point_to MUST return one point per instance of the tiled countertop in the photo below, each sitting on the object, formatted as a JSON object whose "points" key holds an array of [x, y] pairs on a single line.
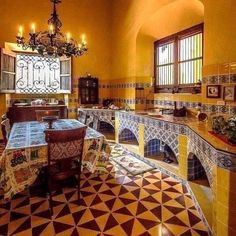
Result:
{"points": [[201, 128]]}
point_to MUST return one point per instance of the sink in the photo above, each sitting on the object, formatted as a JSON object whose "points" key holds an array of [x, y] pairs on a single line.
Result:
{"points": [[155, 115], [142, 113]]}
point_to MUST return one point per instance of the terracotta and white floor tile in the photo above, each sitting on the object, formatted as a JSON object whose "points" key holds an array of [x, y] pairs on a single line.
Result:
{"points": [[114, 203]]}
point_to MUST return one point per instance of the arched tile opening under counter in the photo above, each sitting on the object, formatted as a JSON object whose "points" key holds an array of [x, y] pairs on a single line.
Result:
{"points": [[128, 139], [161, 153]]}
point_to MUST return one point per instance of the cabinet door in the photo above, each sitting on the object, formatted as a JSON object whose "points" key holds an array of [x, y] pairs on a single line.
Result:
{"points": [[65, 75], [88, 87], [8, 71], [94, 92]]}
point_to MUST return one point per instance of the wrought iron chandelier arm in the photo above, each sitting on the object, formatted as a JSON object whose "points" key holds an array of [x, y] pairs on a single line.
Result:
{"points": [[52, 42]]}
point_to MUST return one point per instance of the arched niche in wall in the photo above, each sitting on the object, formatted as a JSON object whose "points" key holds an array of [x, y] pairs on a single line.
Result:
{"points": [[196, 170], [129, 21], [153, 149], [127, 136], [167, 20]]}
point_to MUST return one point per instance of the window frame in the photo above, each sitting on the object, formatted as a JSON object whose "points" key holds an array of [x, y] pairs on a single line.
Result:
{"points": [[13, 54], [176, 87]]}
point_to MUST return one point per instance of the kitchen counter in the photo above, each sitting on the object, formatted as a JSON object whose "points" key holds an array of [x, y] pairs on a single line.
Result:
{"points": [[199, 127]]}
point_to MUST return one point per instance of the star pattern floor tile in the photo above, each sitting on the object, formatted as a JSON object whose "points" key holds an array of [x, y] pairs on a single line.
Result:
{"points": [[114, 203]]}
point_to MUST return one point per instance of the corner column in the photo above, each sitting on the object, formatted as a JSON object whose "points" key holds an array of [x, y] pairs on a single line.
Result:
{"points": [[141, 139], [224, 200], [183, 163]]}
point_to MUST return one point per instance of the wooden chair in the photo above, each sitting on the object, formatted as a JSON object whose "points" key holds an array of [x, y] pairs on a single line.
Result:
{"points": [[82, 116], [41, 113], [6, 129], [65, 150]]}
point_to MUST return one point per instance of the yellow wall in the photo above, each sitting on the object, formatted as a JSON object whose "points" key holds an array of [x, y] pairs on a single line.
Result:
{"points": [[220, 31], [137, 24], [120, 35]]}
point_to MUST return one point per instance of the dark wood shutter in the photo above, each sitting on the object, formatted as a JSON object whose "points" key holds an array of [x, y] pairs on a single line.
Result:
{"points": [[8, 71], [65, 75]]}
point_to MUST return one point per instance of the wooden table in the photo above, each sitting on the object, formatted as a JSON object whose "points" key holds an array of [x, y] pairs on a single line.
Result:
{"points": [[26, 153]]}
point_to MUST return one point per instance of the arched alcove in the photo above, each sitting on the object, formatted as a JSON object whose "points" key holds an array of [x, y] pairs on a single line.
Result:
{"points": [[161, 152], [166, 20], [107, 129], [134, 18], [127, 136], [152, 148], [196, 171], [199, 184]]}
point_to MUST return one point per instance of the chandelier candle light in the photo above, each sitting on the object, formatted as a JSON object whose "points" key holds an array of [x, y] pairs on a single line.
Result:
{"points": [[52, 42]]}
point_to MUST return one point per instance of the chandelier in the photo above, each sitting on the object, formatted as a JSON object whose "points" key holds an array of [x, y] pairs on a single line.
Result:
{"points": [[52, 42]]}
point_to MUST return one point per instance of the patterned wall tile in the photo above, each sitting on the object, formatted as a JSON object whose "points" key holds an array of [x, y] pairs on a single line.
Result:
{"points": [[226, 160], [104, 115], [219, 79]]}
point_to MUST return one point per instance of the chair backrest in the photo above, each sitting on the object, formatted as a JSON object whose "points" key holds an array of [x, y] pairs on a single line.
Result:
{"points": [[41, 113], [65, 145], [82, 116], [6, 129]]}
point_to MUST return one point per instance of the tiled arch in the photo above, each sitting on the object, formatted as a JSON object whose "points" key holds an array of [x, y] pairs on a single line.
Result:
{"points": [[129, 125], [107, 116], [169, 138], [195, 168], [152, 147], [107, 120], [205, 161], [126, 134]]}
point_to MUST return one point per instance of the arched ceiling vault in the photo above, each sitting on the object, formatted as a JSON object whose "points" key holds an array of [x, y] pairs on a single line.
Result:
{"points": [[174, 17], [131, 17]]}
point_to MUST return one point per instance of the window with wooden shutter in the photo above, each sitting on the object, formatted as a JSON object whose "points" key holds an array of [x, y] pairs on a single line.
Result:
{"points": [[178, 60], [165, 67], [190, 58], [33, 74], [8, 71], [65, 75]]}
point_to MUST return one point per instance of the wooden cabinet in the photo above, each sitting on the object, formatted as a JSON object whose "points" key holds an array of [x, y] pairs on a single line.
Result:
{"points": [[88, 87]]}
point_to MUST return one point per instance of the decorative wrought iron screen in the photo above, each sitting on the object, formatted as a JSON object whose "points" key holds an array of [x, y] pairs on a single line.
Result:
{"points": [[36, 74]]}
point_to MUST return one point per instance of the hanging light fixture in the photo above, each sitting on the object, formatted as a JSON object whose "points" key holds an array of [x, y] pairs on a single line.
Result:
{"points": [[52, 42]]}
